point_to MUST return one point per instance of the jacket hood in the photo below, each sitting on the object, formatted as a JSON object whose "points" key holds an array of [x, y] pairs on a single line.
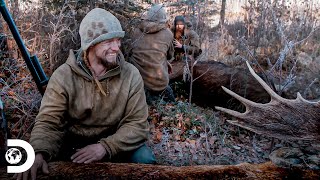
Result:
{"points": [[149, 27], [156, 13], [179, 18], [77, 65]]}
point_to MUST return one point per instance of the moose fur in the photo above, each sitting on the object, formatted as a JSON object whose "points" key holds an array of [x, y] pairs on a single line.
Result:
{"points": [[211, 76]]}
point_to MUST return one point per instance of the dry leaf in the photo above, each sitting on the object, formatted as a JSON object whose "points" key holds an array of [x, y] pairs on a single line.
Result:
{"points": [[212, 140], [177, 147], [177, 137], [236, 147], [179, 124], [11, 93], [158, 137], [203, 135]]}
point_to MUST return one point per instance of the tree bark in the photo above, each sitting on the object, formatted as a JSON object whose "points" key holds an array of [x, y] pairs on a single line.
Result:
{"points": [[222, 12], [68, 170]]}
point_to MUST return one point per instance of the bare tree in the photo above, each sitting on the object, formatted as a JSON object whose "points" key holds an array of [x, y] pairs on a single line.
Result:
{"points": [[222, 12]]}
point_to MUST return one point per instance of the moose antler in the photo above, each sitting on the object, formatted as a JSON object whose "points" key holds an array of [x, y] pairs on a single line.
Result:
{"points": [[290, 119]]}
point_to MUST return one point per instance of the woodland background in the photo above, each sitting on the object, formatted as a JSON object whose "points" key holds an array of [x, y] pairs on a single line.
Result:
{"points": [[278, 37]]}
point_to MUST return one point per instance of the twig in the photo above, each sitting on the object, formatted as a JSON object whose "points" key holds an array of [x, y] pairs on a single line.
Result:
{"points": [[201, 74], [308, 87]]}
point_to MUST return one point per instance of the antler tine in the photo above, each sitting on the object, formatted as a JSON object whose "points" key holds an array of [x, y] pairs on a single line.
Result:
{"points": [[263, 84], [231, 112], [299, 97], [243, 100]]}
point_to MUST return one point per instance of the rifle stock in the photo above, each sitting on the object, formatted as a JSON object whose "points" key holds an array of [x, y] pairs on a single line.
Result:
{"points": [[32, 62]]}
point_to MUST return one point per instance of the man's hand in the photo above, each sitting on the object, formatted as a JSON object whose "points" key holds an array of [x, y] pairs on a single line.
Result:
{"points": [[88, 154], [39, 163], [177, 44]]}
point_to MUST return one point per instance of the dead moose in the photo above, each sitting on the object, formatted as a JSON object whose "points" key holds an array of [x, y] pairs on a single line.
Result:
{"points": [[265, 111], [211, 75]]}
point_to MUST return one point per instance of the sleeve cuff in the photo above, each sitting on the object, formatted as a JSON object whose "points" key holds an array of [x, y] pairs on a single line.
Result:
{"points": [[109, 154], [45, 154]]}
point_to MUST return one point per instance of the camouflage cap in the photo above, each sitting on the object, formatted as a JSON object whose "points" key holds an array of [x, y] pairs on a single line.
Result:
{"points": [[97, 26]]}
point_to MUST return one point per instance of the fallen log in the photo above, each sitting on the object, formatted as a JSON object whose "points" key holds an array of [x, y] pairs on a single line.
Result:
{"points": [[68, 170], [211, 75]]}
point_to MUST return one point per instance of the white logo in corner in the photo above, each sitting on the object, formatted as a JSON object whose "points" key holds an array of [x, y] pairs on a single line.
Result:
{"points": [[14, 156]]}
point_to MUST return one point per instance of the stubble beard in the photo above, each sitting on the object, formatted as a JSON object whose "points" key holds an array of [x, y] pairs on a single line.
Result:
{"points": [[110, 63]]}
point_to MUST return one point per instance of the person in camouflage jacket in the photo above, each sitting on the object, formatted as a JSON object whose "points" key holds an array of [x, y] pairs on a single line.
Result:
{"points": [[153, 51], [94, 107], [186, 41]]}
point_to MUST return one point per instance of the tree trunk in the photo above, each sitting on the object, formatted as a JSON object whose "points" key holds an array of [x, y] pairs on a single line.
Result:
{"points": [[126, 3], [222, 12], [68, 170], [15, 10]]}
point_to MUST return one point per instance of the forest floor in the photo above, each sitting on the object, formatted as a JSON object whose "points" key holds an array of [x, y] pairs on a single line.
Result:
{"points": [[181, 136]]}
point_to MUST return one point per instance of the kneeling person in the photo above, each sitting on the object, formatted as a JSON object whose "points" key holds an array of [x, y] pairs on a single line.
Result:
{"points": [[152, 51], [94, 107]]}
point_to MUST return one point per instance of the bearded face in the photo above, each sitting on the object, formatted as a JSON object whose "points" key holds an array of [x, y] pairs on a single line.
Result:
{"points": [[180, 26], [106, 52]]}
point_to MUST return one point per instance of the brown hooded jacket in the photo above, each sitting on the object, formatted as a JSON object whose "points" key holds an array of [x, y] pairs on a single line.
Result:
{"points": [[152, 49], [190, 41], [73, 103]]}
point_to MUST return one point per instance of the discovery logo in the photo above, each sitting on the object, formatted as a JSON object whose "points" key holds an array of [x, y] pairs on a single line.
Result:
{"points": [[14, 156]]}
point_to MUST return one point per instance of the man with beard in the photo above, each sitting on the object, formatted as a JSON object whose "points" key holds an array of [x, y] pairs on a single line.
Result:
{"points": [[94, 107], [186, 41], [151, 52]]}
